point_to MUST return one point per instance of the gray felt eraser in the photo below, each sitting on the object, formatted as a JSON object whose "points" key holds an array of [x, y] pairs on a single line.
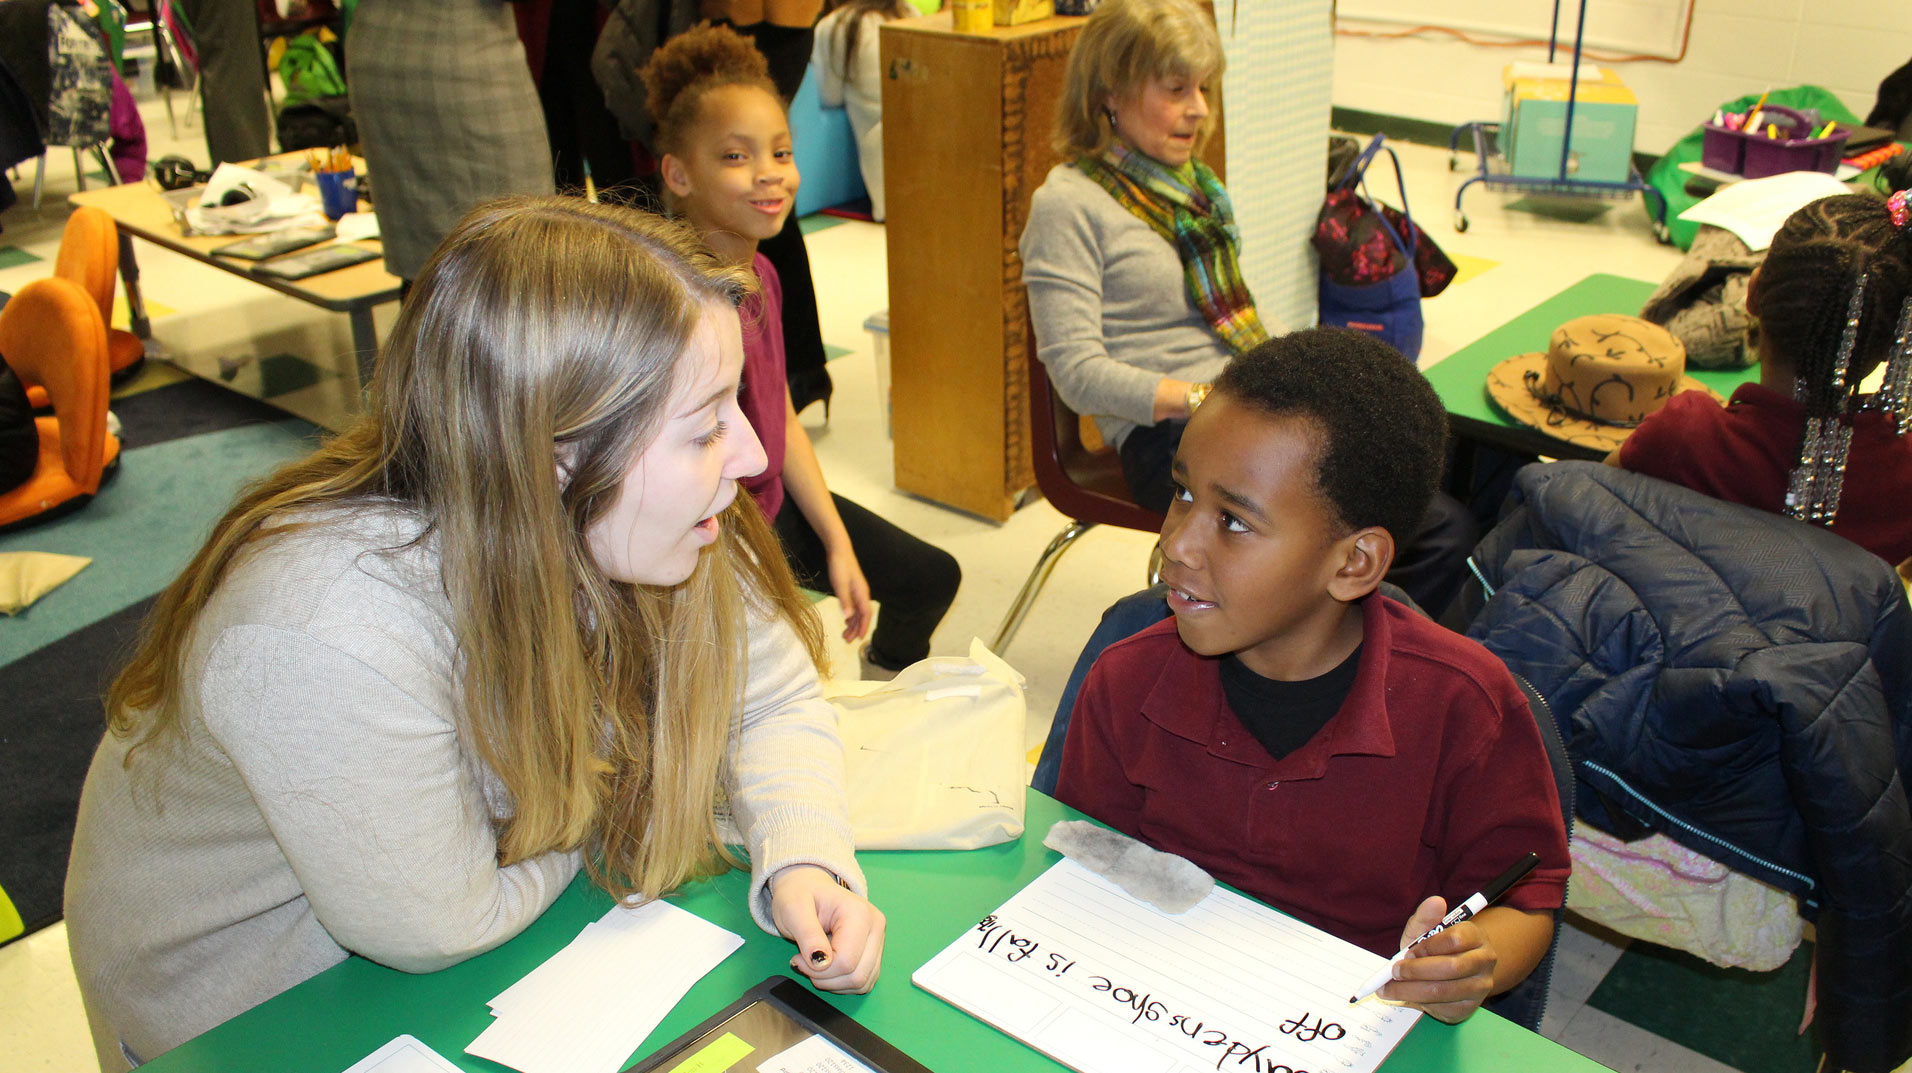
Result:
{"points": [[1170, 883]]}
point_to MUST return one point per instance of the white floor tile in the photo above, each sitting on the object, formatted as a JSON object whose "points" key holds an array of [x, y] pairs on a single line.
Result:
{"points": [[1628, 1049], [1584, 954], [42, 1025]]}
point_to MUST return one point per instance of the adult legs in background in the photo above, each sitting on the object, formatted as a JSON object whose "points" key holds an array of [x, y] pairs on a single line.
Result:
{"points": [[1148, 454], [447, 116], [787, 48], [869, 161], [1432, 562], [802, 333], [913, 580], [232, 78], [578, 123], [1125, 618]]}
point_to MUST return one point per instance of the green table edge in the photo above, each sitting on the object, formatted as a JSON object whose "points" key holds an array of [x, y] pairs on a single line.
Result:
{"points": [[336, 1018], [1461, 378]]}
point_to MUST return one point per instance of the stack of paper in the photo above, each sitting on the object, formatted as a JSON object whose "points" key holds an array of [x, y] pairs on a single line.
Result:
{"points": [[592, 1003]]}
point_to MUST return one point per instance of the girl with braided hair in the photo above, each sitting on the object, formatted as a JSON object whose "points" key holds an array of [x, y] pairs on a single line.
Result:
{"points": [[1833, 301]]}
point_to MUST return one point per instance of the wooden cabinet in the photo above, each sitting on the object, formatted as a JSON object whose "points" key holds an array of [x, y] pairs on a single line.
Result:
{"points": [[966, 128]]}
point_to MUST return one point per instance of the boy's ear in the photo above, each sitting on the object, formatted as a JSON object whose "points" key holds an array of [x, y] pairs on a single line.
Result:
{"points": [[1366, 556], [1752, 291], [676, 175]]}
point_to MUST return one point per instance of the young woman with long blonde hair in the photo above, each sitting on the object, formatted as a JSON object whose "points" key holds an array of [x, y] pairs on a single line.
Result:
{"points": [[514, 623]]}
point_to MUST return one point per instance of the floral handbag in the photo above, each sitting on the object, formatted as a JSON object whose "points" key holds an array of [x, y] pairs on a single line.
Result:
{"points": [[1366, 249]]}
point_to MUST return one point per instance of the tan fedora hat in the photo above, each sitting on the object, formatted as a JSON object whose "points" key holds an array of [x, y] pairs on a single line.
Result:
{"points": [[1599, 377]]}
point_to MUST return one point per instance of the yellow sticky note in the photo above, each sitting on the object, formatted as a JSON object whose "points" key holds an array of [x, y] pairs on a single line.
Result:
{"points": [[716, 1056], [10, 924]]}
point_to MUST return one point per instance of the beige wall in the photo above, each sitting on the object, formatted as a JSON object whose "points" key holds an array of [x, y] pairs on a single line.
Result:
{"points": [[1738, 47]]}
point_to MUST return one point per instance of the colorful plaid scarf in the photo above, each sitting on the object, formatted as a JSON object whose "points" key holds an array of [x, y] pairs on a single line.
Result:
{"points": [[1191, 211]]}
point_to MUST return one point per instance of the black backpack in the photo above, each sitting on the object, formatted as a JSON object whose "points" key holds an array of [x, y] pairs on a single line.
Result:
{"points": [[318, 123], [19, 440]]}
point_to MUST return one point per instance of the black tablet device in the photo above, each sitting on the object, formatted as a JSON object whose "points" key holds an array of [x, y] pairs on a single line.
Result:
{"points": [[313, 262], [273, 243], [779, 1026]]}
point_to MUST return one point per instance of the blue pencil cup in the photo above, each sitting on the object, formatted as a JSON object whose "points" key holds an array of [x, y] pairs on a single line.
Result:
{"points": [[338, 192]]}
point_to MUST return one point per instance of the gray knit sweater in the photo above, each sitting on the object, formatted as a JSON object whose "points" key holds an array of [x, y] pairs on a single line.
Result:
{"points": [[1111, 312], [322, 798]]}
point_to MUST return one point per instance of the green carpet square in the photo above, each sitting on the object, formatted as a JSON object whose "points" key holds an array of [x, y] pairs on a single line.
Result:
{"points": [[14, 257], [832, 352], [817, 221], [1744, 1019]]}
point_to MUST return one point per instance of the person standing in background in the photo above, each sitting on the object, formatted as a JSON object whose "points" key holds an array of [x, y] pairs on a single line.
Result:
{"points": [[447, 116], [232, 78], [781, 29], [850, 76]]}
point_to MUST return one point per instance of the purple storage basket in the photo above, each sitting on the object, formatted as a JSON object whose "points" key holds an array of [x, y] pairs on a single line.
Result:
{"points": [[1753, 155], [1775, 156], [1723, 149]]}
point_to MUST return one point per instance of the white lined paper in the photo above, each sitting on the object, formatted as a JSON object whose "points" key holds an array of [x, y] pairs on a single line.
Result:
{"points": [[1104, 983], [592, 1003]]}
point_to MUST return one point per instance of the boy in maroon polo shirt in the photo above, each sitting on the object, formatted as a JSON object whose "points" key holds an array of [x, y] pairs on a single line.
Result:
{"points": [[1297, 734]]}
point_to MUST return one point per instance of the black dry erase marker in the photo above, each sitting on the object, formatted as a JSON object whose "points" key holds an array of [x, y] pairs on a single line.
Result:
{"points": [[1487, 896]]}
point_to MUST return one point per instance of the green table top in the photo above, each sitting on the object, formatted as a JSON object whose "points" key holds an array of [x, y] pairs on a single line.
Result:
{"points": [[1461, 378], [347, 1012]]}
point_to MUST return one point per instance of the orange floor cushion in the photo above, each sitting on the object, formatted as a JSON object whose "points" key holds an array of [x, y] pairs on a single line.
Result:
{"points": [[49, 486], [123, 349]]}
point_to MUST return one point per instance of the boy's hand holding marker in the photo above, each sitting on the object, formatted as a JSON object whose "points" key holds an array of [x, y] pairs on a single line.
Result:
{"points": [[1446, 962]]}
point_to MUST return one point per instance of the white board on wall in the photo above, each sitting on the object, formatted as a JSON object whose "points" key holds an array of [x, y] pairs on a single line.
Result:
{"points": [[1649, 27]]}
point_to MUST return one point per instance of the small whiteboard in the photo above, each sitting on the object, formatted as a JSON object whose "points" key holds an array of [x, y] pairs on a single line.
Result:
{"points": [[1103, 983]]}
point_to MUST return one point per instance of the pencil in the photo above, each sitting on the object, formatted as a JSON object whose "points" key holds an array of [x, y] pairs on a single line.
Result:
{"points": [[590, 188]]}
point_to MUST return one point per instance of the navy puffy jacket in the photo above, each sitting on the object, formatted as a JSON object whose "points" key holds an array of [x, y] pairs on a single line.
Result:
{"points": [[1740, 682]]}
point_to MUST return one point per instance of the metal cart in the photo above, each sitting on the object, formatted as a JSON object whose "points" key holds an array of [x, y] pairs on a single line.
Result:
{"points": [[1496, 171]]}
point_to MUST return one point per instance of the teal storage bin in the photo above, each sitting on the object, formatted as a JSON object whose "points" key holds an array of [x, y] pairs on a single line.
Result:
{"points": [[1602, 140]]}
